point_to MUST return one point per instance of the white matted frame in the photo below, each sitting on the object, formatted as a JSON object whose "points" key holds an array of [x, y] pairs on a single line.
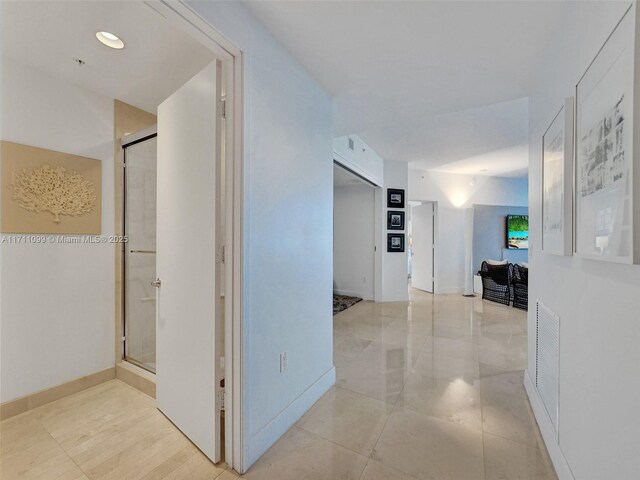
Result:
{"points": [[606, 223], [557, 183], [184, 18]]}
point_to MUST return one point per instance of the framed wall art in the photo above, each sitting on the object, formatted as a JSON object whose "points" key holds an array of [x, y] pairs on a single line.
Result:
{"points": [[557, 183], [395, 220], [44, 191], [395, 242], [605, 183], [395, 198]]}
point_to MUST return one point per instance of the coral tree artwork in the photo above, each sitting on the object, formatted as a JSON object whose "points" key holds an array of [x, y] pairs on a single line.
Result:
{"points": [[44, 191], [53, 190]]}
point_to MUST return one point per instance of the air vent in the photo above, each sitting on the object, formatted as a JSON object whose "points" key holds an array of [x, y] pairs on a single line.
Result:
{"points": [[351, 144], [547, 359]]}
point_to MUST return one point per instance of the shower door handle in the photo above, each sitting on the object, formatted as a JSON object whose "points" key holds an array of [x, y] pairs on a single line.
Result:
{"points": [[156, 283]]}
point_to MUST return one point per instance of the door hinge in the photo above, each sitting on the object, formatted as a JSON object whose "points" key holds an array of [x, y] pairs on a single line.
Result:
{"points": [[222, 107], [220, 255], [220, 401]]}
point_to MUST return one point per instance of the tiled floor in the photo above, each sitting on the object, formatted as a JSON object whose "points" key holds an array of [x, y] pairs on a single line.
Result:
{"points": [[430, 389], [109, 432]]}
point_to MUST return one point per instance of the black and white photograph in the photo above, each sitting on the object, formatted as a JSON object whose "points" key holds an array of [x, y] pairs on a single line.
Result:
{"points": [[395, 242], [604, 200], [395, 198], [557, 178], [395, 220], [603, 152]]}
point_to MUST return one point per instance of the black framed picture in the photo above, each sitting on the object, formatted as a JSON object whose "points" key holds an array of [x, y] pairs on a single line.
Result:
{"points": [[395, 220], [395, 198], [395, 242]]}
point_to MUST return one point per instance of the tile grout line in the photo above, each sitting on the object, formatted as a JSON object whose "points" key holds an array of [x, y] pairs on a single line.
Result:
{"points": [[404, 386], [66, 454], [131, 424], [484, 456]]}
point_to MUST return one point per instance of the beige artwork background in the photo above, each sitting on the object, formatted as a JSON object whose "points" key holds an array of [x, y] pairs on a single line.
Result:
{"points": [[14, 158]]}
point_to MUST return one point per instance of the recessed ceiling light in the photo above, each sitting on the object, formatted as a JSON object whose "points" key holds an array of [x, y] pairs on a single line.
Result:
{"points": [[110, 40]]}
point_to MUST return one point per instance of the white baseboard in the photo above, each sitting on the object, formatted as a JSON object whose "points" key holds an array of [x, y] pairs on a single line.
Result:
{"points": [[547, 430], [396, 297], [448, 290], [261, 441]]}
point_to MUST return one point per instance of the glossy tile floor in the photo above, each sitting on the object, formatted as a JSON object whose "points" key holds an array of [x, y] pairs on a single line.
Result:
{"points": [[430, 389], [109, 432]]}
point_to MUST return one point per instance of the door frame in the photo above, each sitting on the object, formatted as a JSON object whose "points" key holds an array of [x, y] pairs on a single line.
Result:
{"points": [[183, 17], [125, 142], [377, 215], [434, 263]]}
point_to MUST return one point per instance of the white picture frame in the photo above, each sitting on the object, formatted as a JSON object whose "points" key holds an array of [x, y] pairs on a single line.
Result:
{"points": [[557, 182], [606, 223]]}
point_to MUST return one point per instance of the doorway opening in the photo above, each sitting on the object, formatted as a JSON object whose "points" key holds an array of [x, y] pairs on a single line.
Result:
{"points": [[354, 238], [422, 245], [91, 100], [173, 266], [180, 273]]}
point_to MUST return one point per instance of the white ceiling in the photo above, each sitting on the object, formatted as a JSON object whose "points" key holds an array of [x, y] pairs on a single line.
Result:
{"points": [[431, 83], [344, 178], [156, 60]]}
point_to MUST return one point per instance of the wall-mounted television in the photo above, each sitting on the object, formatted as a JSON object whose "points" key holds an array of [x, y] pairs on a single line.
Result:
{"points": [[518, 232]]}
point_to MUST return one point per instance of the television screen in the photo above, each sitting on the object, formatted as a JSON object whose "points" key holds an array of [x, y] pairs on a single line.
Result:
{"points": [[518, 231]]}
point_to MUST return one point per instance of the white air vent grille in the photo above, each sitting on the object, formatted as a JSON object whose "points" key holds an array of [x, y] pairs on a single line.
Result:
{"points": [[547, 359]]}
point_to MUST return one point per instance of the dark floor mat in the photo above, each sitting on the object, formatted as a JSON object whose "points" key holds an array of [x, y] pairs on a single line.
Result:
{"points": [[342, 302]]}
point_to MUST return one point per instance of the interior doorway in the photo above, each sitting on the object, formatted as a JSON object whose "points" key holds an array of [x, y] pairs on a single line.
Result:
{"points": [[354, 239], [180, 277], [422, 244], [173, 261]]}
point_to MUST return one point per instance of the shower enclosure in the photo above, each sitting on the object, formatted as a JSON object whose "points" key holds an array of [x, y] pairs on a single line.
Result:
{"points": [[139, 252]]}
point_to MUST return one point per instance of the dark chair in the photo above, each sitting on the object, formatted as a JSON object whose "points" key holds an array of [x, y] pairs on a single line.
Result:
{"points": [[496, 282], [520, 282]]}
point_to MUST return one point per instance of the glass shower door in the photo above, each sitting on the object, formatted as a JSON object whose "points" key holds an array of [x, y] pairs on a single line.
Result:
{"points": [[140, 253]]}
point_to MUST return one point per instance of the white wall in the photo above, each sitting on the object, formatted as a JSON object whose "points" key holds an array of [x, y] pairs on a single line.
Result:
{"points": [[353, 241], [599, 424], [288, 217], [489, 235], [57, 300], [453, 193], [395, 265]]}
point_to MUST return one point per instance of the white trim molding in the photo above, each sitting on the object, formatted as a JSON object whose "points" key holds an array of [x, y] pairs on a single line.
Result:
{"points": [[184, 17], [547, 430], [261, 441]]}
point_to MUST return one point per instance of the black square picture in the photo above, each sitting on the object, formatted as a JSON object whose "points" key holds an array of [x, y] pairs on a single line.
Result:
{"points": [[395, 220], [395, 198], [395, 242]]}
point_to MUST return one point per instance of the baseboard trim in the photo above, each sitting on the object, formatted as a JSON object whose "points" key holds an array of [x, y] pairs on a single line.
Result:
{"points": [[265, 438], [396, 297], [29, 402], [137, 378], [547, 430], [449, 290]]}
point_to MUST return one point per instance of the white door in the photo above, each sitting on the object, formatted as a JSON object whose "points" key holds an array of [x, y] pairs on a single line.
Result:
{"points": [[422, 239], [188, 297]]}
